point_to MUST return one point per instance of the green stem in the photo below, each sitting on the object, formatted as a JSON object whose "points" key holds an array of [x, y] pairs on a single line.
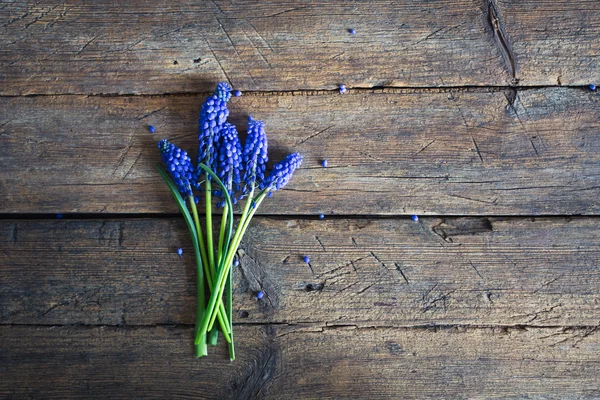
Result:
{"points": [[223, 321], [217, 295], [201, 349], [222, 234], [209, 232], [230, 314], [209, 317]]}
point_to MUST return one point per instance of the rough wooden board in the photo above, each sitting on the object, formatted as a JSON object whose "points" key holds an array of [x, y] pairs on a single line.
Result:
{"points": [[316, 362], [552, 42], [186, 46], [455, 152], [465, 271]]}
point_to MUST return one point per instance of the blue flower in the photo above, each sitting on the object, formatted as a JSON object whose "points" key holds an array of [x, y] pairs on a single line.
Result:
{"points": [[255, 154], [179, 165], [228, 163], [213, 116], [282, 172]]}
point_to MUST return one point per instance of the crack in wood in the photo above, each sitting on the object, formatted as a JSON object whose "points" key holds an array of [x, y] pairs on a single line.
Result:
{"points": [[399, 269], [496, 26]]}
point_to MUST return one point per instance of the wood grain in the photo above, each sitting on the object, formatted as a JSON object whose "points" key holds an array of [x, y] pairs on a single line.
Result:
{"points": [[410, 152], [187, 46], [132, 46], [456, 271], [280, 362], [553, 42]]}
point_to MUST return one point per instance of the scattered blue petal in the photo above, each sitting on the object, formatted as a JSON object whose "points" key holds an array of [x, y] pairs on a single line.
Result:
{"points": [[260, 295], [151, 128], [351, 31], [321, 216], [306, 259], [237, 93], [324, 163], [343, 89], [236, 262], [415, 218], [59, 216], [592, 87], [180, 252]]}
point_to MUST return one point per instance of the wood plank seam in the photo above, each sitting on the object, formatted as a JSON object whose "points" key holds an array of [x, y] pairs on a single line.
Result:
{"points": [[392, 89]]}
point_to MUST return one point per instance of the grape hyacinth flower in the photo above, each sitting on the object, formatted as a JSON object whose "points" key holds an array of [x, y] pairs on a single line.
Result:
{"points": [[282, 172], [213, 116], [179, 166], [236, 172], [228, 162], [255, 154]]}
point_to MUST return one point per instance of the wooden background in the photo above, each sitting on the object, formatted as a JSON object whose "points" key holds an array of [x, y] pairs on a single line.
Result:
{"points": [[473, 114]]}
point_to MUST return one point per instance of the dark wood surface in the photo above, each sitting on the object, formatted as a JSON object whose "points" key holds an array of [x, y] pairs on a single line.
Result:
{"points": [[380, 272], [449, 152], [473, 114]]}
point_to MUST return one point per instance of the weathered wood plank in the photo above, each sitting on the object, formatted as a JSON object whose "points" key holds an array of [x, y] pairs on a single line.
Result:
{"points": [[311, 362], [552, 42], [461, 153], [460, 271], [185, 46], [136, 47]]}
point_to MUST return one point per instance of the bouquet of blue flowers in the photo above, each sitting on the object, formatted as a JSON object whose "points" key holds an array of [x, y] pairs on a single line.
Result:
{"points": [[229, 173]]}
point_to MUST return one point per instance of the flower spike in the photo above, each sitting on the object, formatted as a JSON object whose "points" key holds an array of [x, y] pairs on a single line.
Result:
{"points": [[229, 158], [213, 116], [255, 154], [179, 165], [282, 172]]}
